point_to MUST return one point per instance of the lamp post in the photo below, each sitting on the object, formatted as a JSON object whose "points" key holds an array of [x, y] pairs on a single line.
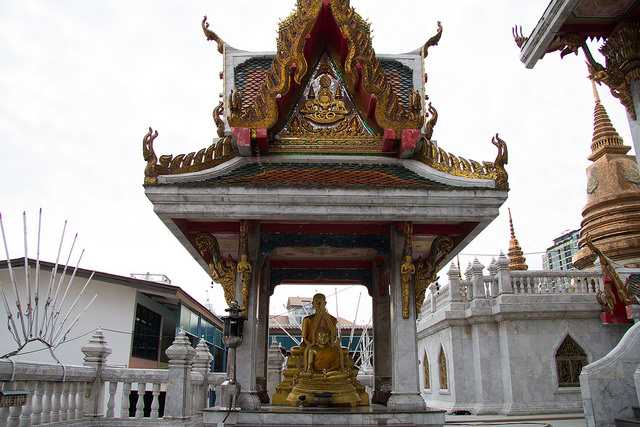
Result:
{"points": [[232, 338]]}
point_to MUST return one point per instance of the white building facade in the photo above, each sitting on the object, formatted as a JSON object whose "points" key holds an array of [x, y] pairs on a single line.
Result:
{"points": [[511, 342]]}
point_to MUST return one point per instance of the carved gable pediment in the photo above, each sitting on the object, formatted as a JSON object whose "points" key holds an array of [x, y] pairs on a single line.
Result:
{"points": [[325, 118]]}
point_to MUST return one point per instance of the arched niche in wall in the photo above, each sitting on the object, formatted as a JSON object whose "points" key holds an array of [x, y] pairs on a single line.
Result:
{"points": [[442, 365], [426, 371], [570, 358]]}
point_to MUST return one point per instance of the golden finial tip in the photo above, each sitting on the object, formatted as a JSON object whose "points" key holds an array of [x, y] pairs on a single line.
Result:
{"points": [[596, 96]]}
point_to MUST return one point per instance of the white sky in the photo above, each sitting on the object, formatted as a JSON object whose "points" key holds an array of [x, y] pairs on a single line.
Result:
{"points": [[81, 81]]}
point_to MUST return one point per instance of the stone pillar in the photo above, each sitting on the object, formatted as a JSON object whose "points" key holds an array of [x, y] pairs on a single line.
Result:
{"points": [[455, 294], [381, 332], [477, 280], [405, 380], [178, 398], [95, 354], [275, 361], [634, 125], [504, 278], [247, 352], [262, 334], [202, 366]]}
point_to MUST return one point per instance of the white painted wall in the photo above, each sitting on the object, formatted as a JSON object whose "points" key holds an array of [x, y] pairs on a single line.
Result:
{"points": [[114, 308]]}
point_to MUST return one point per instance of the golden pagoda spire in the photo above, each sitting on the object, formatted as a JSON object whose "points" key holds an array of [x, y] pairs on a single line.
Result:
{"points": [[517, 260], [605, 137]]}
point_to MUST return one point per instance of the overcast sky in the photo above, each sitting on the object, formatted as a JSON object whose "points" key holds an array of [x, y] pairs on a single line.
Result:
{"points": [[80, 81]]}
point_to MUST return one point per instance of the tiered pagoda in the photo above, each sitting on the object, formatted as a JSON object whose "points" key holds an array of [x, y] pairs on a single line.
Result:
{"points": [[325, 171]]}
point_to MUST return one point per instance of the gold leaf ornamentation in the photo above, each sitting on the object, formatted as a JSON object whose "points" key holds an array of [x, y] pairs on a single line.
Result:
{"points": [[222, 270], [427, 268]]}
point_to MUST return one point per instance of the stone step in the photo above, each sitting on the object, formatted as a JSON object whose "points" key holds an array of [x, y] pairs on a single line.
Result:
{"points": [[627, 422]]}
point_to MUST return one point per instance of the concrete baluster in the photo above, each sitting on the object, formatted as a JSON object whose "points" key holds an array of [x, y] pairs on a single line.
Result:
{"points": [[178, 401], [202, 365], [36, 405], [142, 388], [95, 353], [45, 416], [71, 405], [477, 280], [455, 291], [504, 276], [124, 405], [80, 400], [64, 400], [27, 409], [155, 403], [113, 386], [55, 402], [15, 412]]}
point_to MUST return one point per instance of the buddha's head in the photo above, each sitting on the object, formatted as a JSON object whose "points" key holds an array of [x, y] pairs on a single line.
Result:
{"points": [[322, 337], [319, 302]]}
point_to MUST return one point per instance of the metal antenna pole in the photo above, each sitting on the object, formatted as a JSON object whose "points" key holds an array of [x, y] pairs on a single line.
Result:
{"points": [[52, 276], [37, 290], [13, 281], [353, 324], [26, 274]]}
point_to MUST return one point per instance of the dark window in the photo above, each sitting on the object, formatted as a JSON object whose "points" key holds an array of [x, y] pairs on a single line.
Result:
{"points": [[570, 358], [146, 334]]}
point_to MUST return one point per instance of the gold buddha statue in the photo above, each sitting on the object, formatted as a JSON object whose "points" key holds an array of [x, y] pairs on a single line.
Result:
{"points": [[327, 107], [320, 371]]}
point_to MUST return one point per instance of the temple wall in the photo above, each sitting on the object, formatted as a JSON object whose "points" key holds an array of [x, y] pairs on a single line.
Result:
{"points": [[501, 353]]}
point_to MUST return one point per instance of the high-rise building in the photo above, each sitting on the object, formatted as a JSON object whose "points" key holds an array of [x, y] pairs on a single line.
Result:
{"points": [[559, 255]]}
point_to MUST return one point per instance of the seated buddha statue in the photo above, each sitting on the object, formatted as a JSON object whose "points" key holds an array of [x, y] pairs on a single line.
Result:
{"points": [[320, 371]]}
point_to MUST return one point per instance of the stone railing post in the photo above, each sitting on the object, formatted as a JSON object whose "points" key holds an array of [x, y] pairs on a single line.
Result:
{"points": [[477, 279], [504, 276], [493, 272], [202, 365], [455, 294], [275, 359], [95, 354], [178, 398]]}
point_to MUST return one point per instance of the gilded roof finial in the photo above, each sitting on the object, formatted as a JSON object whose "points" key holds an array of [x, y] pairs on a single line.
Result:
{"points": [[517, 261], [605, 137]]}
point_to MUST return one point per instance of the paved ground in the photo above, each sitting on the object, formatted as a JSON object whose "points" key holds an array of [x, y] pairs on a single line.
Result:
{"points": [[557, 420]]}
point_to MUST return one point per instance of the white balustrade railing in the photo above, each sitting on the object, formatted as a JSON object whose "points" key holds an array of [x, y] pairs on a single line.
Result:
{"points": [[556, 282], [54, 394], [77, 394]]}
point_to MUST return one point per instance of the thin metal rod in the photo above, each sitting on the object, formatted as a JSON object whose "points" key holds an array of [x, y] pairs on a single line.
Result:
{"points": [[57, 291], [37, 290], [54, 272], [73, 305], [75, 321], [353, 324], [285, 331], [13, 280], [338, 317], [29, 311], [10, 322], [64, 296]]}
